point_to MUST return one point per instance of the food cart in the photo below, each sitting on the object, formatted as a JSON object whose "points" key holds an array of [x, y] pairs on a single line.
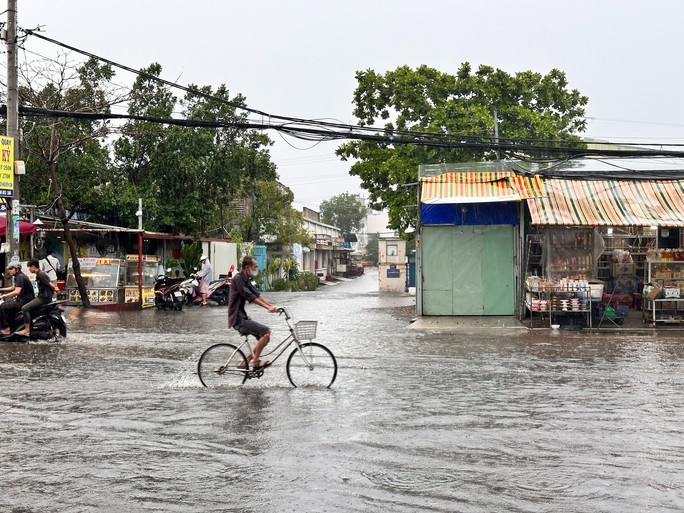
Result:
{"points": [[115, 283]]}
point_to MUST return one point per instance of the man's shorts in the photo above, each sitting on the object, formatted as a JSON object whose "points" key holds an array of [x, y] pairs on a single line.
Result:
{"points": [[250, 327]]}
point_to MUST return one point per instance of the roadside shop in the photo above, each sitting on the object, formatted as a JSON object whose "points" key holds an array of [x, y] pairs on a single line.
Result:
{"points": [[554, 250], [612, 238]]}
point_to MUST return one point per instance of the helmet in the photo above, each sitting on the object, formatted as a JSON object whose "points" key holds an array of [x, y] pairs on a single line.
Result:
{"points": [[14, 265], [203, 258]]}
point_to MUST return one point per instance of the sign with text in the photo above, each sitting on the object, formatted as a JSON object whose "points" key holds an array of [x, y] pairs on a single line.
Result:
{"points": [[6, 167], [393, 271]]}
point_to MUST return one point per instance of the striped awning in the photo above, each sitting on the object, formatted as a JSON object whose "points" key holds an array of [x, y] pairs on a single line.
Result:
{"points": [[609, 203], [473, 187]]}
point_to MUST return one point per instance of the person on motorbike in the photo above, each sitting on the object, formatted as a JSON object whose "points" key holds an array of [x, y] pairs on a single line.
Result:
{"points": [[14, 296], [204, 275], [241, 290], [46, 291]]}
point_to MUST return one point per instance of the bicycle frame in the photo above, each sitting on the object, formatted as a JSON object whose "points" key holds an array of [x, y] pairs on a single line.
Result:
{"points": [[285, 344]]}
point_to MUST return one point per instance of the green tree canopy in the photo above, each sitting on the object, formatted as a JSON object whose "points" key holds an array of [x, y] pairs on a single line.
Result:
{"points": [[74, 147], [345, 211], [188, 177], [272, 218], [527, 106], [195, 181]]}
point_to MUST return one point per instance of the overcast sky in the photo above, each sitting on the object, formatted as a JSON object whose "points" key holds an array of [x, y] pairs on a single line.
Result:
{"points": [[298, 57]]}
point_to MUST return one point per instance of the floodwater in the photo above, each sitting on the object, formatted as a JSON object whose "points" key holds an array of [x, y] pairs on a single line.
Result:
{"points": [[115, 419]]}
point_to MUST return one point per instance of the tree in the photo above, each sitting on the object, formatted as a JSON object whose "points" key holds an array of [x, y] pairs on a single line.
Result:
{"points": [[272, 218], [345, 211], [188, 177], [372, 249], [66, 158], [524, 107]]}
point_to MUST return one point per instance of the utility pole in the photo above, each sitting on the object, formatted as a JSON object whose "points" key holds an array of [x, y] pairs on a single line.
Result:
{"points": [[13, 127], [496, 135]]}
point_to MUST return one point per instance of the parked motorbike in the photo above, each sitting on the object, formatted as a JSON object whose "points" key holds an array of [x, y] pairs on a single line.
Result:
{"points": [[47, 323], [189, 288], [217, 292], [168, 294]]}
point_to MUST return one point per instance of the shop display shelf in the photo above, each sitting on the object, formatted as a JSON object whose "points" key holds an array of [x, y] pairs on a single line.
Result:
{"points": [[665, 310]]}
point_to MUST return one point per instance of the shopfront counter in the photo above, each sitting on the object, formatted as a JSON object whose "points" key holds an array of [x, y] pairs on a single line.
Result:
{"points": [[113, 282]]}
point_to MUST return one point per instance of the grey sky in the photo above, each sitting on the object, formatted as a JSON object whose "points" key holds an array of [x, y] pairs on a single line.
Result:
{"points": [[298, 57]]}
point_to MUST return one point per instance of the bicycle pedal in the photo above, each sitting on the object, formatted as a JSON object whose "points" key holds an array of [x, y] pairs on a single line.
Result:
{"points": [[255, 373]]}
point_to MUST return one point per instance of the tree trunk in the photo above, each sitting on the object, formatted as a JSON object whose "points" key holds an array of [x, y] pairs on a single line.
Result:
{"points": [[85, 300]]}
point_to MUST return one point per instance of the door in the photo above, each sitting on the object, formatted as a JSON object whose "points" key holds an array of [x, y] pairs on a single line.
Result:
{"points": [[468, 270]]}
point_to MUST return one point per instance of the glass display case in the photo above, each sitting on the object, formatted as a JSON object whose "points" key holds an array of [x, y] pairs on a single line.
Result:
{"points": [[113, 281], [103, 277], [133, 277]]}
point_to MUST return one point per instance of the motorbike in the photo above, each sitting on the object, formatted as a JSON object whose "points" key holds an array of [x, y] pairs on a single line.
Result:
{"points": [[47, 323], [217, 292], [189, 288], [167, 294]]}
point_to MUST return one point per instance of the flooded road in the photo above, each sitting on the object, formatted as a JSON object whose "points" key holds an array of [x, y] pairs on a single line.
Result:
{"points": [[115, 419]]}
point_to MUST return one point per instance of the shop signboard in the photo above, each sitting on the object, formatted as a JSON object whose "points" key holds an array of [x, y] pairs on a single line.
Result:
{"points": [[7, 167]]}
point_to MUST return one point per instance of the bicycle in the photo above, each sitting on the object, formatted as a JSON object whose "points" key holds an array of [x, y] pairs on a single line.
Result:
{"points": [[309, 364]]}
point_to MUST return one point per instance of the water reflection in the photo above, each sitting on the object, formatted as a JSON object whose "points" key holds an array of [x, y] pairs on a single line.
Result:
{"points": [[115, 418]]}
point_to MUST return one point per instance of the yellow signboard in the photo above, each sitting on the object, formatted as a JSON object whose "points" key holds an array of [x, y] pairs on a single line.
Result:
{"points": [[6, 167]]}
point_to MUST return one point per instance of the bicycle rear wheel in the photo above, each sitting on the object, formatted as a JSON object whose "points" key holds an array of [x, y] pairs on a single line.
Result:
{"points": [[222, 365], [313, 366]]}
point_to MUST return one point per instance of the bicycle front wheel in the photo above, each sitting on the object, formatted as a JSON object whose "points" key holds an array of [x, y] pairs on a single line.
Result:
{"points": [[222, 365], [312, 366]]}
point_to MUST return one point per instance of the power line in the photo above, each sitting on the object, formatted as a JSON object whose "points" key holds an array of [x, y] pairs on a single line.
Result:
{"points": [[319, 130], [360, 134], [316, 136]]}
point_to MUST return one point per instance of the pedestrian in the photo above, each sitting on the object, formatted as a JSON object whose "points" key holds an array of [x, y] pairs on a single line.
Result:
{"points": [[14, 296], [50, 265], [205, 276], [241, 290], [46, 291]]}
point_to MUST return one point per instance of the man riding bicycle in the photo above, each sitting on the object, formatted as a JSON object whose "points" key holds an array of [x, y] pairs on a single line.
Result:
{"points": [[241, 290]]}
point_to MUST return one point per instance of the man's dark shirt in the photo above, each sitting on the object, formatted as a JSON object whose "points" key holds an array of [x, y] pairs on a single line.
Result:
{"points": [[26, 294], [44, 289], [241, 290]]}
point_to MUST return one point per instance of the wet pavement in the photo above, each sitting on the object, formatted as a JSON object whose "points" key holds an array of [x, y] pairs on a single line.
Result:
{"points": [[472, 420]]}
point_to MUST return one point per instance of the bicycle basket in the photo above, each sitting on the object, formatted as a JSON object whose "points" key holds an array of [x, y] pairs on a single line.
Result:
{"points": [[305, 330]]}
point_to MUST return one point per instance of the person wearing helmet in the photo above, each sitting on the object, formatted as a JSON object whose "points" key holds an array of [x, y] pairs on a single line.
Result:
{"points": [[15, 296], [205, 276]]}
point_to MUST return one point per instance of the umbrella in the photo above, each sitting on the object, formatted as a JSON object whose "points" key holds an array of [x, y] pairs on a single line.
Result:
{"points": [[24, 226]]}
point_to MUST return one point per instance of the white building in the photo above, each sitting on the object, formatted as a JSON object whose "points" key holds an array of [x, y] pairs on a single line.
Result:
{"points": [[376, 223], [328, 248]]}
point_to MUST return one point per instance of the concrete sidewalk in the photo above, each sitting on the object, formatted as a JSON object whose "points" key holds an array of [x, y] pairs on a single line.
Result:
{"points": [[466, 323], [501, 324]]}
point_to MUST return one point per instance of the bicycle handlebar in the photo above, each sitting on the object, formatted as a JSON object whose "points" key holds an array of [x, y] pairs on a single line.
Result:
{"points": [[283, 310]]}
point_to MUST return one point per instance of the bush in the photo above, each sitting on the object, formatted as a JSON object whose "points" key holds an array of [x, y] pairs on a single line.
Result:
{"points": [[279, 284], [308, 281]]}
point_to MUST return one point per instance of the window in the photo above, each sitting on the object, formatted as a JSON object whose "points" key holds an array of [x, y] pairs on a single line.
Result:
{"points": [[392, 249]]}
